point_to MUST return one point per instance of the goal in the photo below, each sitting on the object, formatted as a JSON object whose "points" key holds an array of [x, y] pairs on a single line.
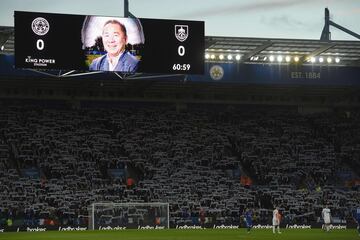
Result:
{"points": [[118, 216]]}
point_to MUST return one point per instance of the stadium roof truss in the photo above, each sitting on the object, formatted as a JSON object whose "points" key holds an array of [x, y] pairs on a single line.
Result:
{"points": [[287, 51], [282, 51]]}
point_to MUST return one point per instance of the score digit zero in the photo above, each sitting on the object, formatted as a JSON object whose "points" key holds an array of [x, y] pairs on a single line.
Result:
{"points": [[181, 50]]}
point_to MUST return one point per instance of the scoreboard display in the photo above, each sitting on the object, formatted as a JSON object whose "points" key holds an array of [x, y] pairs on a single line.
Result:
{"points": [[96, 43]]}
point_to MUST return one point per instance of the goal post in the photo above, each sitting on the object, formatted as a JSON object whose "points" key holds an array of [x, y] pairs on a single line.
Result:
{"points": [[117, 216]]}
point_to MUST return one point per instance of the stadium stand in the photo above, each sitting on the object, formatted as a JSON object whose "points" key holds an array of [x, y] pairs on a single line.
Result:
{"points": [[254, 131], [55, 161]]}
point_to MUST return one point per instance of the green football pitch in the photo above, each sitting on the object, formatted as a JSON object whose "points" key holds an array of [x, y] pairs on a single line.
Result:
{"points": [[176, 234]]}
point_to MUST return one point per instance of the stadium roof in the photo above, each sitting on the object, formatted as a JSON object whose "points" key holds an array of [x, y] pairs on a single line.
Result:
{"points": [[268, 51], [6, 40], [257, 50]]}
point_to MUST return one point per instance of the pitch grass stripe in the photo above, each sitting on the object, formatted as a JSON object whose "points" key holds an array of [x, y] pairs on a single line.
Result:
{"points": [[176, 234]]}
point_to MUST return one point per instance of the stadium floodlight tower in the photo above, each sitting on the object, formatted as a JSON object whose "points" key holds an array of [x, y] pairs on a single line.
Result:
{"points": [[326, 34]]}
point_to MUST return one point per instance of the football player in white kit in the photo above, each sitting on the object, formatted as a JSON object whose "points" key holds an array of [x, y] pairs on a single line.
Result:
{"points": [[326, 216], [357, 219], [276, 220]]}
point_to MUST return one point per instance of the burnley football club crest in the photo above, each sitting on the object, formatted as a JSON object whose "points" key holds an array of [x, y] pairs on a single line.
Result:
{"points": [[181, 32]]}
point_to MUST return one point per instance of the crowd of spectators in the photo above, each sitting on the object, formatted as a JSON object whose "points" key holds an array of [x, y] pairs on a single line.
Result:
{"points": [[56, 161]]}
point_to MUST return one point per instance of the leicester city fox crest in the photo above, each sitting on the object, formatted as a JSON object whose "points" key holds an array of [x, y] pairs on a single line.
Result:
{"points": [[216, 72], [40, 26], [181, 32]]}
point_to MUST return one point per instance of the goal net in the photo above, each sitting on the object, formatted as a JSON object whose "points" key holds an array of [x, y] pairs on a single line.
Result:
{"points": [[117, 216]]}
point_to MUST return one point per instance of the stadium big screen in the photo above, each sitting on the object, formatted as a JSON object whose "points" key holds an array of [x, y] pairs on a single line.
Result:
{"points": [[96, 43]]}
